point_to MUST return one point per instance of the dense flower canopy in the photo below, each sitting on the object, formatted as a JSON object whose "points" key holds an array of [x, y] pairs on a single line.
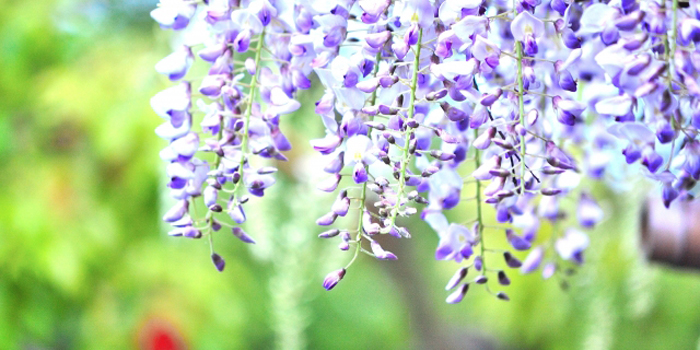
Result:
{"points": [[430, 104]]}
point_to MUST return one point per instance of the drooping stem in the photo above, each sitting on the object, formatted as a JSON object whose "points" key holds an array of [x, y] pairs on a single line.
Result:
{"points": [[363, 193], [670, 52], [249, 107], [405, 159], [479, 217], [521, 110]]}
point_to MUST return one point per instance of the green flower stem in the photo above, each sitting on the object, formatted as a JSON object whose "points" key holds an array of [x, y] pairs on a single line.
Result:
{"points": [[363, 194], [670, 51], [479, 217], [406, 158], [521, 109], [249, 107]]}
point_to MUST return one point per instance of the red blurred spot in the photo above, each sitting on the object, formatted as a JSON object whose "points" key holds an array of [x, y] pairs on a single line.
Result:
{"points": [[160, 335]]}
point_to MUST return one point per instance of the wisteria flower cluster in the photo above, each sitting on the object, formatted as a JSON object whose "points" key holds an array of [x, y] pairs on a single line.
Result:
{"points": [[502, 107]]}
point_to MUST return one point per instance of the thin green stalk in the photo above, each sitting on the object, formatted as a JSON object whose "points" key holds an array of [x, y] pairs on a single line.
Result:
{"points": [[411, 112], [363, 194], [670, 51], [249, 107], [521, 109], [479, 217]]}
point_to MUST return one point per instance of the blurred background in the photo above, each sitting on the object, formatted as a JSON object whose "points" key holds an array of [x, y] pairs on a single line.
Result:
{"points": [[85, 262]]}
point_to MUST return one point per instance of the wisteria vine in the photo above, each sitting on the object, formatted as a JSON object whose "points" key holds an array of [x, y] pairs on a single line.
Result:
{"points": [[502, 107]]}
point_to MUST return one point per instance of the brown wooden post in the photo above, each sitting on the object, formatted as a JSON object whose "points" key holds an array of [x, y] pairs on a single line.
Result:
{"points": [[672, 236]]}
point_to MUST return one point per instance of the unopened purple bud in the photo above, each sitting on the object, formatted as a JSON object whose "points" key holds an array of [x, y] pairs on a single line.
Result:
{"points": [[388, 110], [503, 144], [218, 262], [630, 21], [566, 81], [447, 138], [430, 170], [503, 278], [489, 99], [481, 279], [570, 39], [176, 212], [550, 191], [368, 86], [455, 114], [240, 234], [191, 232], [327, 219], [456, 278], [380, 253], [559, 6], [443, 156], [436, 95], [388, 81], [532, 261], [376, 125], [377, 40], [458, 294], [333, 278], [212, 84], [478, 263], [638, 65], [499, 172], [329, 184], [484, 140], [511, 261], [341, 206], [517, 242], [636, 42], [237, 214], [502, 296], [610, 35], [329, 234]]}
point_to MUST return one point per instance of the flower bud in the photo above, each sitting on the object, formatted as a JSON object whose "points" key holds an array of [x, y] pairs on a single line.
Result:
{"points": [[511, 261], [240, 234], [456, 278], [503, 278], [458, 294], [218, 262], [333, 278], [329, 234]]}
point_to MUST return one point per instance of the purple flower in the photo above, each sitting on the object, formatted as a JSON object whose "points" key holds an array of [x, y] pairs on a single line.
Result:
{"points": [[218, 262], [527, 29], [333, 278], [174, 14], [458, 294], [176, 65], [571, 245], [588, 212], [532, 261]]}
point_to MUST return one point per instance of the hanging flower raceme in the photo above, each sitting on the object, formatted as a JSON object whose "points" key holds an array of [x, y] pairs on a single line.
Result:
{"points": [[488, 114], [242, 101]]}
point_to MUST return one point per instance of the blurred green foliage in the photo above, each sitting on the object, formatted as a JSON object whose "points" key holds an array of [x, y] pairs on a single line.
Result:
{"points": [[85, 262]]}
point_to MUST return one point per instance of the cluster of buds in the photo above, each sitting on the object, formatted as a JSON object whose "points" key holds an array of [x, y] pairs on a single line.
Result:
{"points": [[438, 107]]}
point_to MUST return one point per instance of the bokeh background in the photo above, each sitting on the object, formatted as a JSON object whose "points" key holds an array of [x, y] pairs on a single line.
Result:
{"points": [[86, 264]]}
